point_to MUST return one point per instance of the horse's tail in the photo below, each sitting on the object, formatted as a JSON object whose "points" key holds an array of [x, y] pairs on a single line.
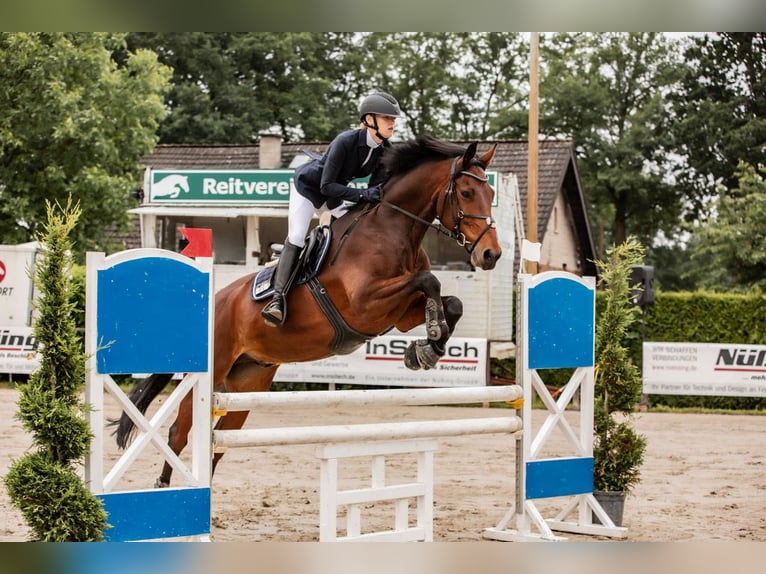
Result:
{"points": [[141, 395]]}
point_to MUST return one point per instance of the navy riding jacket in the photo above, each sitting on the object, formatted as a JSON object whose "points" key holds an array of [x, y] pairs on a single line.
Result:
{"points": [[325, 180]]}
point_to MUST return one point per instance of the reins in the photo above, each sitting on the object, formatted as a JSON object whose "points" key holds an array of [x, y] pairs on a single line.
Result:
{"points": [[458, 214]]}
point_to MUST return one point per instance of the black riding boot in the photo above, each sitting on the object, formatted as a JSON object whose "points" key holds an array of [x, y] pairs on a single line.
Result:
{"points": [[275, 312]]}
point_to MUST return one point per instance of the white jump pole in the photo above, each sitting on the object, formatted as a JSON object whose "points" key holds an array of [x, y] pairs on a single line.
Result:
{"points": [[367, 397], [362, 432]]}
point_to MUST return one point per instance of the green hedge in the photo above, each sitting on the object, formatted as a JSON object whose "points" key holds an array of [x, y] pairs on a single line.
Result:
{"points": [[702, 317]]}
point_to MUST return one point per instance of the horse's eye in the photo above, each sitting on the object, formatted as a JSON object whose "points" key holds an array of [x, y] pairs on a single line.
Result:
{"points": [[466, 194]]}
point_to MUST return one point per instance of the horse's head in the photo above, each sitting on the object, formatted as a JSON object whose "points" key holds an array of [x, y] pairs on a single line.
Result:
{"points": [[466, 207], [418, 169]]}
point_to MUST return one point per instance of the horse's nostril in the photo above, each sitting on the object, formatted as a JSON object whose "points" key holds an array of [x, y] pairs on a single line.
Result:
{"points": [[490, 258]]}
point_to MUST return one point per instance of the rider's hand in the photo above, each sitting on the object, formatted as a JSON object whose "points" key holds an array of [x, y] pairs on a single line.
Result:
{"points": [[371, 194]]}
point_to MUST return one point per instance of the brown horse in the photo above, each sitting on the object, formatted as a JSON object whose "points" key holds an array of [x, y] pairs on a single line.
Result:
{"points": [[378, 277]]}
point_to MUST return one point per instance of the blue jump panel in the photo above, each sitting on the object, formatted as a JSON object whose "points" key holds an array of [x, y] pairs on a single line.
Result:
{"points": [[161, 513], [152, 317], [561, 314], [559, 477]]}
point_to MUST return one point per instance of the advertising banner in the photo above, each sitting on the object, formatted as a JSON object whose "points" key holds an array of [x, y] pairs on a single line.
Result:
{"points": [[725, 370], [381, 362], [18, 350]]}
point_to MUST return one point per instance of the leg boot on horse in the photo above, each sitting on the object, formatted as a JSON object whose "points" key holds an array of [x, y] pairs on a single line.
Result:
{"points": [[275, 312]]}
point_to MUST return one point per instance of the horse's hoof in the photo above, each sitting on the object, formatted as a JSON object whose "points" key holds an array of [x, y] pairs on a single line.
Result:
{"points": [[411, 358], [159, 483], [420, 354]]}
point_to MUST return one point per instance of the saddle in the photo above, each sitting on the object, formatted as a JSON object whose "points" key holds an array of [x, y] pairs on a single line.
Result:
{"points": [[310, 262]]}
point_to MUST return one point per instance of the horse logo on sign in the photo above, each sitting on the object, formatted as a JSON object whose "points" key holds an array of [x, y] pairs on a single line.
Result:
{"points": [[170, 187]]}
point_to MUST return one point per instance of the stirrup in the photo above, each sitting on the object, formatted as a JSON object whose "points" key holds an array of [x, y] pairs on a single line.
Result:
{"points": [[274, 313]]}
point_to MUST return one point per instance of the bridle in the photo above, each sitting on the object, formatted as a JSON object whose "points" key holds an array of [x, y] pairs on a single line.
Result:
{"points": [[458, 215]]}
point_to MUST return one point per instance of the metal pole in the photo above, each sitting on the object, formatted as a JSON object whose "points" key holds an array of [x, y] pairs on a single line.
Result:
{"points": [[533, 145]]}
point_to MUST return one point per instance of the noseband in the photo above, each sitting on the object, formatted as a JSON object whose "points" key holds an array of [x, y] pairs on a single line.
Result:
{"points": [[458, 215]]}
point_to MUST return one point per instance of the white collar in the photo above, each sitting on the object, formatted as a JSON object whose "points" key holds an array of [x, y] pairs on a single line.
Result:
{"points": [[371, 142]]}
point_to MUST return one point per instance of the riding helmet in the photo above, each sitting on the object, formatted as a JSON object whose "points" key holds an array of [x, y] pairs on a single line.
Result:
{"points": [[380, 103]]}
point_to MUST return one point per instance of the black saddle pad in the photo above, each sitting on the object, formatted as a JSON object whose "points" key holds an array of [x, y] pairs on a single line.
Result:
{"points": [[310, 263]]}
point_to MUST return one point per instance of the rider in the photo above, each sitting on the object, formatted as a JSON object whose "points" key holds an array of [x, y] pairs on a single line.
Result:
{"points": [[322, 184]]}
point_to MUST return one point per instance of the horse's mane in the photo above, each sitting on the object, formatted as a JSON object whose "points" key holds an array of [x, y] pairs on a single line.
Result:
{"points": [[407, 155]]}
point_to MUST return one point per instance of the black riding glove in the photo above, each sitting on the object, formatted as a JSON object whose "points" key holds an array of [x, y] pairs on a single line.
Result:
{"points": [[371, 194]]}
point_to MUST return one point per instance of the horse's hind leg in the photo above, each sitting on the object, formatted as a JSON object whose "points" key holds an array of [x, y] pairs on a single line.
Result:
{"points": [[178, 437], [245, 376], [231, 421]]}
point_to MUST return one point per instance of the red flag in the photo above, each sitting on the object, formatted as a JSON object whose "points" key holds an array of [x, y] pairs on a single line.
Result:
{"points": [[200, 242]]}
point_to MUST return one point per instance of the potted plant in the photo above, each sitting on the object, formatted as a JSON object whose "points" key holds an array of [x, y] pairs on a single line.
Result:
{"points": [[618, 450]]}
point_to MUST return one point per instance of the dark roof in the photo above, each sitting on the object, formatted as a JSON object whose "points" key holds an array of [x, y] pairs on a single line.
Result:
{"points": [[556, 169], [181, 156]]}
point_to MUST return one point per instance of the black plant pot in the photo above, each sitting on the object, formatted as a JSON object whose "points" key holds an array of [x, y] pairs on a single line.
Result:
{"points": [[613, 504]]}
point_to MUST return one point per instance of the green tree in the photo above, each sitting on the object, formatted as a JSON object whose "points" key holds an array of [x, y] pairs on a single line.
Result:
{"points": [[229, 87], [729, 251], [608, 92], [618, 451], [73, 123], [721, 110], [453, 85], [44, 483]]}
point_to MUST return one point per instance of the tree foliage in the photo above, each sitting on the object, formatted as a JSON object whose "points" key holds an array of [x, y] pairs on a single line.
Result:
{"points": [[720, 113], [618, 450], [453, 85], [44, 483], [230, 87], [729, 251], [73, 123], [608, 92]]}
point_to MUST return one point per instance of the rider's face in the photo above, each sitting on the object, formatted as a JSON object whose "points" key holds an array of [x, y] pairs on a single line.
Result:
{"points": [[386, 125]]}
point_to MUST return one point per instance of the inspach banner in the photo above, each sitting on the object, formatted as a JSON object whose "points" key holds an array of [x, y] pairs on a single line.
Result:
{"points": [[380, 361], [726, 370]]}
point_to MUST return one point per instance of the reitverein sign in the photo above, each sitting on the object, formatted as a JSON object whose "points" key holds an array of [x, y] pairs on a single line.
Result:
{"points": [[232, 187], [206, 186]]}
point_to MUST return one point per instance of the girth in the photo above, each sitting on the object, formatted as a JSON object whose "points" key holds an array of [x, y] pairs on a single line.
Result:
{"points": [[346, 339]]}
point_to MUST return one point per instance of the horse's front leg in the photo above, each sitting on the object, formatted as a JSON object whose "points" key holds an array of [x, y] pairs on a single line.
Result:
{"points": [[424, 353], [441, 314], [437, 328]]}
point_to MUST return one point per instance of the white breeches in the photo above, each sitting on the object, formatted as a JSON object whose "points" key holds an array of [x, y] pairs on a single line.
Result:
{"points": [[300, 212]]}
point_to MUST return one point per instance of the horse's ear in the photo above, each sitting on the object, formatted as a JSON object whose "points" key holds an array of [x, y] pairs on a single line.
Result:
{"points": [[488, 155], [468, 155]]}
